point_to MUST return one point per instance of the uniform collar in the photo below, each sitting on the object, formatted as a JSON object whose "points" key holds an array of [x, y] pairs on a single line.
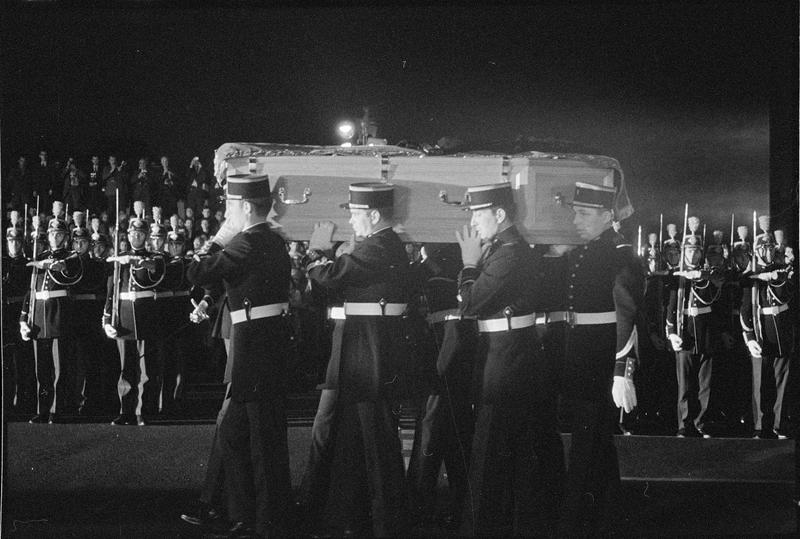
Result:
{"points": [[379, 231], [253, 225], [509, 235]]}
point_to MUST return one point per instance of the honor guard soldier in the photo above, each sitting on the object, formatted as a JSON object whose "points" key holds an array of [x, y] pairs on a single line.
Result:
{"points": [[133, 318], [89, 295], [19, 378], [604, 293], [516, 398], [768, 327], [365, 363], [252, 263], [690, 328], [176, 307], [45, 317], [445, 424], [742, 251]]}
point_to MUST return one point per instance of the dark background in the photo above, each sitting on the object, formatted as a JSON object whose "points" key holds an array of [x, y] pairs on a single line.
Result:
{"points": [[687, 96]]}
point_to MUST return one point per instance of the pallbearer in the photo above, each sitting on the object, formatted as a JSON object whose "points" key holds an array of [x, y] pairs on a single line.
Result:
{"points": [[45, 317], [604, 292], [365, 367], [516, 412], [252, 264]]}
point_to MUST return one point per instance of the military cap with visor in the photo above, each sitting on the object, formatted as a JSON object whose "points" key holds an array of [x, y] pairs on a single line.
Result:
{"points": [[247, 186], [369, 196], [479, 197]]}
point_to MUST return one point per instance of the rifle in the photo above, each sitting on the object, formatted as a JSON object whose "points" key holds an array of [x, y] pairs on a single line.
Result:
{"points": [[682, 280], [25, 228], [705, 262], [754, 289], [117, 270], [660, 241], [730, 247], [34, 278], [639, 243]]}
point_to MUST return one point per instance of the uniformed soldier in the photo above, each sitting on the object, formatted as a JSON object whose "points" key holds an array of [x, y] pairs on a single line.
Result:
{"points": [[672, 248], [604, 291], [19, 378], [768, 329], [132, 317], [178, 339], [445, 423], [690, 333], [252, 263], [89, 295], [516, 399], [365, 365], [45, 317]]}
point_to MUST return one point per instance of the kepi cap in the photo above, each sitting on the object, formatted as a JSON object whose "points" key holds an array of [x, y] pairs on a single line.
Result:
{"points": [[479, 197], [246, 186], [589, 195], [370, 196]]}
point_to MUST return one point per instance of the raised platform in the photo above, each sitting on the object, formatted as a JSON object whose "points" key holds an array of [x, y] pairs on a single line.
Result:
{"points": [[95, 480]]}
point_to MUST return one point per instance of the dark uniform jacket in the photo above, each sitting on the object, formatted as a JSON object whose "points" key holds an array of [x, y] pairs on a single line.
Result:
{"points": [[777, 330], [602, 277], [52, 316], [89, 295], [367, 352], [141, 318], [255, 270], [16, 285], [512, 371], [699, 293]]}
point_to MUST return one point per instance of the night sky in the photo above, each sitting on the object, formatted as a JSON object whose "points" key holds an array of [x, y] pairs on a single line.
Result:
{"points": [[680, 93]]}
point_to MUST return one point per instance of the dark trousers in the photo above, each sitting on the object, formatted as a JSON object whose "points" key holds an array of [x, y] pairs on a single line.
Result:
{"points": [[770, 374], [593, 468], [694, 388], [255, 453], [213, 490], [315, 484], [516, 447], [19, 375], [52, 370], [367, 469], [443, 435]]}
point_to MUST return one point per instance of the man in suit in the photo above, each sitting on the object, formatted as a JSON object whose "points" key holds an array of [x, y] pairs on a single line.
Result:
{"points": [[252, 263]]}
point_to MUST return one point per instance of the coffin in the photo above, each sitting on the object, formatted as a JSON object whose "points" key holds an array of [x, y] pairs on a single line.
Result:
{"points": [[310, 182]]}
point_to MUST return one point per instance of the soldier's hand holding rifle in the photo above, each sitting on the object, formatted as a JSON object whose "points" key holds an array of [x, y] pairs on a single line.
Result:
{"points": [[624, 393], [111, 332], [754, 348], [471, 248], [24, 331], [199, 313], [675, 341]]}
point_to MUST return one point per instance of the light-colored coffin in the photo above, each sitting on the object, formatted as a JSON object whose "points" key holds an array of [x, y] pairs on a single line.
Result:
{"points": [[543, 186]]}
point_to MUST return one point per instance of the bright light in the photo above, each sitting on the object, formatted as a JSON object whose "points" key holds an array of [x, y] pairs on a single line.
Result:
{"points": [[346, 130], [346, 144]]}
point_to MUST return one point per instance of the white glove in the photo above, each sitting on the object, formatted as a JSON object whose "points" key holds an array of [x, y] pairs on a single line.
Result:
{"points": [[624, 393], [471, 248], [25, 331], [111, 332], [676, 341], [690, 274], [225, 234], [755, 348], [322, 236], [767, 276], [199, 313]]}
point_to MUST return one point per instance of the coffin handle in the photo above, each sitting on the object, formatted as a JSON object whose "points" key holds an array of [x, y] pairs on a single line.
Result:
{"points": [[443, 198], [289, 201]]}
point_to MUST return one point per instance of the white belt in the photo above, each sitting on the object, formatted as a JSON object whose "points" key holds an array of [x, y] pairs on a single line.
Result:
{"points": [[49, 294], [374, 309], [336, 313], [179, 293], [506, 324], [775, 310], [549, 317], [139, 294], [445, 315], [697, 311], [261, 311], [591, 319], [84, 296]]}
